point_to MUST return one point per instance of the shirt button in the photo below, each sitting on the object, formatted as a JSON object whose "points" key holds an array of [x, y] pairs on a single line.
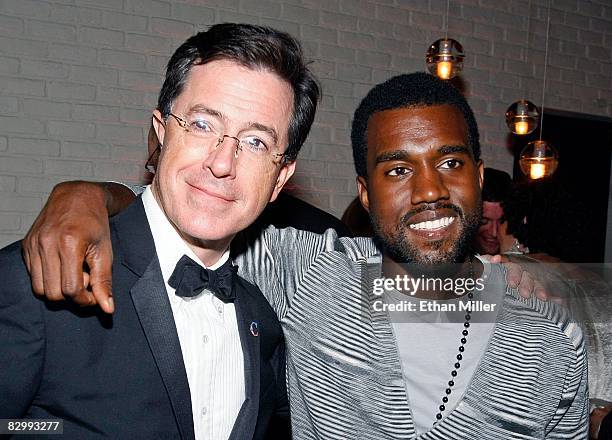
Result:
{"points": [[204, 411], [205, 339], [220, 310]]}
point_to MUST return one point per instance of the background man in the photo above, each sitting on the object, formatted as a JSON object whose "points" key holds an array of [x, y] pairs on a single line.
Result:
{"points": [[496, 189], [176, 361], [416, 151]]}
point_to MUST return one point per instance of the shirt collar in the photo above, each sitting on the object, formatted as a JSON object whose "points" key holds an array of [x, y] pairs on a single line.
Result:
{"points": [[169, 245]]}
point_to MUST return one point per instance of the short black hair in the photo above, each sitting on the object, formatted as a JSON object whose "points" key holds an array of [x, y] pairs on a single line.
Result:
{"points": [[256, 47], [497, 185], [417, 89]]}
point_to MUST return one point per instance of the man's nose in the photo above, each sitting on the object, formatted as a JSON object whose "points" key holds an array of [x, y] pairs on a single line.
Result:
{"points": [[492, 228], [221, 161], [429, 187]]}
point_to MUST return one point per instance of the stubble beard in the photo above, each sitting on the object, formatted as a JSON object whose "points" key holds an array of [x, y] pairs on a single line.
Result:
{"points": [[395, 244]]}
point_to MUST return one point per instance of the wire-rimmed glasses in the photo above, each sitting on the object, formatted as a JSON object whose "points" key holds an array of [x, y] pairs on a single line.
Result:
{"points": [[254, 148]]}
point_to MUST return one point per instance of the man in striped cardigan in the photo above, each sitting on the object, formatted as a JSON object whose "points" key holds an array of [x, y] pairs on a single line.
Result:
{"points": [[359, 368]]}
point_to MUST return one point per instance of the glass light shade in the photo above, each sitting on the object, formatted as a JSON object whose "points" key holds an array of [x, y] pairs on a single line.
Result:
{"points": [[522, 117], [538, 159], [445, 58]]}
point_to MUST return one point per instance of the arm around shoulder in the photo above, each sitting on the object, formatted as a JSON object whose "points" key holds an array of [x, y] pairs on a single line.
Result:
{"points": [[72, 230]]}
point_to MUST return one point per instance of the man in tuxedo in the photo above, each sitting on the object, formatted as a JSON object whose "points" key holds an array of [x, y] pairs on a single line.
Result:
{"points": [[195, 351]]}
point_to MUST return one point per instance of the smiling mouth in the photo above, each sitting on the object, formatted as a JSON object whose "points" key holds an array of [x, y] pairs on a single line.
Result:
{"points": [[432, 225], [212, 194]]}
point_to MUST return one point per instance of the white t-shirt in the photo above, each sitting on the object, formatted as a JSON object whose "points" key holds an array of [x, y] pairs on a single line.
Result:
{"points": [[428, 343]]}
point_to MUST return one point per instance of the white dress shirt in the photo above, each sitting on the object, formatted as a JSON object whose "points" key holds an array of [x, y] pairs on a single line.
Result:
{"points": [[208, 334]]}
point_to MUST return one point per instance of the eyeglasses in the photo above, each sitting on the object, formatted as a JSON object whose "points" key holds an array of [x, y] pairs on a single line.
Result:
{"points": [[255, 148]]}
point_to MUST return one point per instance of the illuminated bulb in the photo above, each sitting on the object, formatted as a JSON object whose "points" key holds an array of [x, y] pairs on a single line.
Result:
{"points": [[444, 69], [521, 127], [537, 171], [522, 117], [538, 160], [445, 58]]}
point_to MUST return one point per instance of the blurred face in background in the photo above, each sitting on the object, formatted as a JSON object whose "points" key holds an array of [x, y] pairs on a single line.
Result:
{"points": [[488, 237]]}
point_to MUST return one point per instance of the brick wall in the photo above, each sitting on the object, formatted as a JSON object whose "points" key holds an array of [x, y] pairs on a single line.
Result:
{"points": [[78, 78]]}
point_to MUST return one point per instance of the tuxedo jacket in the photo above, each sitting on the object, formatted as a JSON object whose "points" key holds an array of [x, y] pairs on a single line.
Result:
{"points": [[123, 375]]}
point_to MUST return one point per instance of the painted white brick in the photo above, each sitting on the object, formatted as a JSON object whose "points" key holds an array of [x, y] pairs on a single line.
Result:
{"points": [[21, 86], [79, 78], [9, 105], [101, 37], [35, 147], [50, 31], [85, 150], [70, 90], [68, 168], [7, 183], [23, 164]]}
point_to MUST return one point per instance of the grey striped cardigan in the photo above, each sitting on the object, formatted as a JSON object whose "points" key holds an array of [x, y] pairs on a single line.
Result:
{"points": [[344, 373]]}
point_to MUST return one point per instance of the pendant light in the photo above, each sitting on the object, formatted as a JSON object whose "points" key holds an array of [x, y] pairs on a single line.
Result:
{"points": [[522, 116], [539, 159], [445, 56]]}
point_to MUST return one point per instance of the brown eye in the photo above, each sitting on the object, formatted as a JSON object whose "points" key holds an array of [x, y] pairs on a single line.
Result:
{"points": [[452, 164], [398, 171]]}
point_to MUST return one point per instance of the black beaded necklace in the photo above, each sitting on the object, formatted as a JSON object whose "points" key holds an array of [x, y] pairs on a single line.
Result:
{"points": [[464, 334]]}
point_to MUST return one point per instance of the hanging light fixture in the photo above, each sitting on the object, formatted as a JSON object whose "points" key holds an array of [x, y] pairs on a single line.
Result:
{"points": [[445, 56], [522, 117], [539, 159]]}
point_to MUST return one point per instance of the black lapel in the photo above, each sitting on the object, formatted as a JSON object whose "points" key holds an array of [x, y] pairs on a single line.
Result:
{"points": [[137, 252], [246, 314]]}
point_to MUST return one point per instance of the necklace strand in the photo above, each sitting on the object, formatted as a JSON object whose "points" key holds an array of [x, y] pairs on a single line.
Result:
{"points": [[459, 357]]}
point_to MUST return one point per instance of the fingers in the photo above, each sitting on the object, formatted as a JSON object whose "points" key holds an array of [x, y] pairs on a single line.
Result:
{"points": [[52, 275], [73, 280], [84, 297], [526, 286], [495, 259], [513, 275], [34, 264], [540, 292], [100, 261], [517, 278]]}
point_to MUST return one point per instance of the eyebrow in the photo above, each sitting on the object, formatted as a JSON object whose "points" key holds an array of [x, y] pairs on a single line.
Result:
{"points": [[450, 149], [390, 156], [201, 108]]}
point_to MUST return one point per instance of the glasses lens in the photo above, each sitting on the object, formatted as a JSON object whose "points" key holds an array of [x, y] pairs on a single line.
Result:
{"points": [[250, 150]]}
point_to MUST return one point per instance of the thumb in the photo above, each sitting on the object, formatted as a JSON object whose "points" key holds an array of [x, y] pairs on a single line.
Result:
{"points": [[100, 262]]}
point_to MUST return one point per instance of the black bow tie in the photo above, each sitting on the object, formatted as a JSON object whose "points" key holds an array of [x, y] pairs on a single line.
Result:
{"points": [[189, 278]]}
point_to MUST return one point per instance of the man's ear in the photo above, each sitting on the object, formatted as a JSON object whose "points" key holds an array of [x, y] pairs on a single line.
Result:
{"points": [[284, 175], [362, 189], [480, 166], [159, 126]]}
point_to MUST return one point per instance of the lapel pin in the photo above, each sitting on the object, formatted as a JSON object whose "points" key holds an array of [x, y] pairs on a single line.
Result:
{"points": [[254, 329]]}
